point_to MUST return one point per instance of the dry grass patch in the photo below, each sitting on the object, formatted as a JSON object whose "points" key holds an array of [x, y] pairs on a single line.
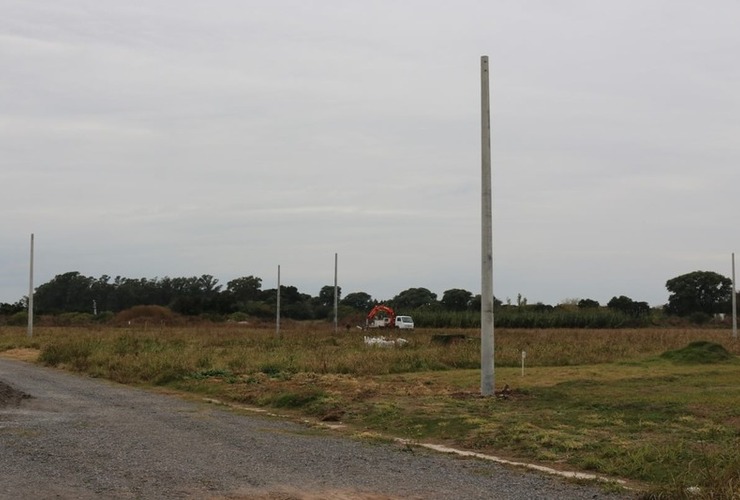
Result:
{"points": [[21, 354]]}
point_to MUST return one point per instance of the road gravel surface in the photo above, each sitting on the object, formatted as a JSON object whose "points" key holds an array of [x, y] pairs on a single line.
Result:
{"points": [[66, 436]]}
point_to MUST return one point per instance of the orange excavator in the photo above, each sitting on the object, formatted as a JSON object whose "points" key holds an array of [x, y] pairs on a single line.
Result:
{"points": [[382, 316]]}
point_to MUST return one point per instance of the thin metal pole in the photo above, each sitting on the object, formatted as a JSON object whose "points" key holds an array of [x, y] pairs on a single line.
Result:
{"points": [[277, 317], [734, 300], [30, 293], [487, 380], [336, 294]]}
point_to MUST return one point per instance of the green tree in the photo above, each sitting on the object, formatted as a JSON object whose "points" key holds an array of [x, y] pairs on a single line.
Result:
{"points": [[68, 292], [628, 306], [208, 285], [10, 309], [323, 305], [588, 304], [413, 298], [456, 299], [699, 291], [293, 304], [291, 295], [196, 295], [245, 288], [326, 295], [101, 291], [360, 301], [129, 292], [475, 303]]}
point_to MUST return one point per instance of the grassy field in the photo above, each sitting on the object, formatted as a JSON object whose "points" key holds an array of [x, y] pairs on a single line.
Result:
{"points": [[629, 404]]}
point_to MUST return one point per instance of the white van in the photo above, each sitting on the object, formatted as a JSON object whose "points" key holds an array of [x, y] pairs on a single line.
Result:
{"points": [[404, 322]]}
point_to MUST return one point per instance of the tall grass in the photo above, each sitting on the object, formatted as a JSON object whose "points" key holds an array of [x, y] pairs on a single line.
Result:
{"points": [[598, 399], [164, 354], [512, 317]]}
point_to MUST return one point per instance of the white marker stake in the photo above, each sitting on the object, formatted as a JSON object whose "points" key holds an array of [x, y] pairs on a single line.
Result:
{"points": [[524, 355]]}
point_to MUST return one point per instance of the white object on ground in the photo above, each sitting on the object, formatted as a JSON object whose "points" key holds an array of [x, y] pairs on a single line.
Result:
{"points": [[384, 342]]}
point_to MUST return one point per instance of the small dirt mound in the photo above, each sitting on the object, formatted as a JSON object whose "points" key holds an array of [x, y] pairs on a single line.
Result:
{"points": [[699, 352], [10, 396], [140, 314], [505, 393]]}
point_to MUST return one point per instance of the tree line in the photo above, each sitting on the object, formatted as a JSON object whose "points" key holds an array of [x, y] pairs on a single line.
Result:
{"points": [[699, 295]]}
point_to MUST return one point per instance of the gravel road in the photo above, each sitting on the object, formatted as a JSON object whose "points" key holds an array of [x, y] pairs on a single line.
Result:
{"points": [[83, 438]]}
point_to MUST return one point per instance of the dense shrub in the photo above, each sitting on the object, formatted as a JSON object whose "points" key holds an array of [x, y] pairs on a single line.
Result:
{"points": [[699, 318], [18, 319], [73, 319]]}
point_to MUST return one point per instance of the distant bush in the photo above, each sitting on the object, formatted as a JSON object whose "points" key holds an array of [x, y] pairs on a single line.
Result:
{"points": [[238, 317], [73, 319], [18, 319], [103, 317], [699, 318], [259, 309], [212, 317]]}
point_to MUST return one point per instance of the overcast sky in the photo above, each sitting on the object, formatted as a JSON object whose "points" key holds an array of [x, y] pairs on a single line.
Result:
{"points": [[154, 138]]}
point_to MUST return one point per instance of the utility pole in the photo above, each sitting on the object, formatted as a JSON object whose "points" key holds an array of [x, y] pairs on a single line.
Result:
{"points": [[277, 316], [30, 293], [734, 300], [487, 380], [336, 295]]}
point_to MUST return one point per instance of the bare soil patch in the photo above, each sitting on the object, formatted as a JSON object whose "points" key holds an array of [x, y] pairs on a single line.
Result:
{"points": [[10, 396], [292, 494]]}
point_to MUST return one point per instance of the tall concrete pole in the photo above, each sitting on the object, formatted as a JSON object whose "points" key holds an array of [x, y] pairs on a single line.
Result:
{"points": [[277, 314], [487, 380], [30, 293], [734, 300], [336, 294]]}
